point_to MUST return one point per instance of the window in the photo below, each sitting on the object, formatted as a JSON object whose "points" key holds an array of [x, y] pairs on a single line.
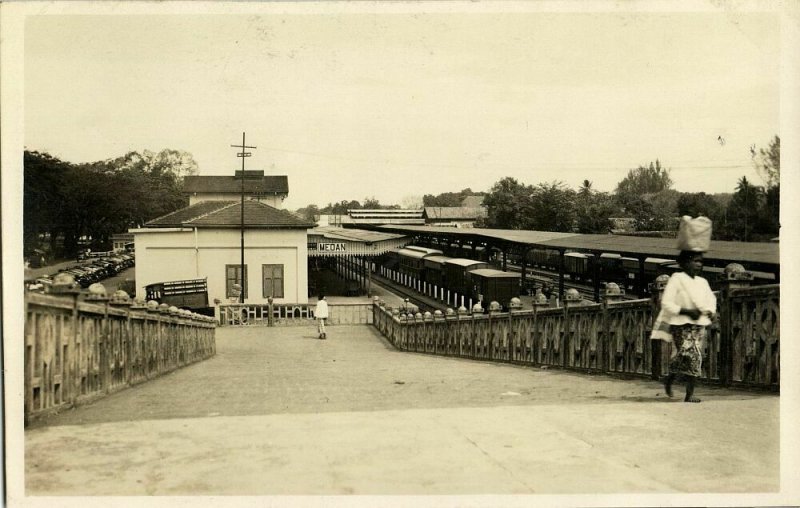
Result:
{"points": [[273, 280], [233, 275]]}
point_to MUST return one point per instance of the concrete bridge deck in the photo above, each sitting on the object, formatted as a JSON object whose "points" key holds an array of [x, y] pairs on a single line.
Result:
{"points": [[278, 412]]}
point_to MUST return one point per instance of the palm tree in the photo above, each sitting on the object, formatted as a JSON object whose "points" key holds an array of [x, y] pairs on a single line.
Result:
{"points": [[746, 203], [586, 189]]}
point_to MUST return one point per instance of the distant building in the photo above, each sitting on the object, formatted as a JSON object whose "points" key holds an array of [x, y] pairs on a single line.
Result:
{"points": [[271, 190], [453, 216], [387, 216], [121, 242], [338, 220]]}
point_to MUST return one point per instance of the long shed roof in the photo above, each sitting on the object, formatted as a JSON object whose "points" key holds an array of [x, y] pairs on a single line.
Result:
{"points": [[767, 253]]}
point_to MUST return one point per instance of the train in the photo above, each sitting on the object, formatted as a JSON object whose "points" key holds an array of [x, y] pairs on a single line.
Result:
{"points": [[449, 265], [473, 279], [619, 269]]}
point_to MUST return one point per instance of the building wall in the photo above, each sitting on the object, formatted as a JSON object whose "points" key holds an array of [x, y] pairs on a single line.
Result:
{"points": [[275, 201], [167, 255], [455, 223]]}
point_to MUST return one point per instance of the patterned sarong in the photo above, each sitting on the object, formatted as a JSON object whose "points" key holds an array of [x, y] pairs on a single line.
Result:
{"points": [[687, 357]]}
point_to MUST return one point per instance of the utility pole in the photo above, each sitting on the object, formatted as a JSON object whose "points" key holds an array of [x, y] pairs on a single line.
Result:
{"points": [[242, 154]]}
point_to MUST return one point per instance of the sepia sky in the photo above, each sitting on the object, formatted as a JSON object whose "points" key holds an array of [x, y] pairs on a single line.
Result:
{"points": [[393, 105]]}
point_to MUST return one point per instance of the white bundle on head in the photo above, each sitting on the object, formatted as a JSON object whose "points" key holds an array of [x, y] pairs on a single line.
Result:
{"points": [[694, 234]]}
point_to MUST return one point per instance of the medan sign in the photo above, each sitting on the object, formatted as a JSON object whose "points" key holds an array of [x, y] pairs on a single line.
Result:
{"points": [[329, 247]]}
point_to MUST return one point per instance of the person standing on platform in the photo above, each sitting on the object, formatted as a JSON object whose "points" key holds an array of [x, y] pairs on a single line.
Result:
{"points": [[321, 313], [687, 306]]}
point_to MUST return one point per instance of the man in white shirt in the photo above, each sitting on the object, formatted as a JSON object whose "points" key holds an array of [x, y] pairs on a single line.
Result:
{"points": [[321, 313]]}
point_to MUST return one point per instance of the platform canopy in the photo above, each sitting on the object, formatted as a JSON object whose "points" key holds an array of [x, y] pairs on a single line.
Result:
{"points": [[758, 254], [331, 241]]}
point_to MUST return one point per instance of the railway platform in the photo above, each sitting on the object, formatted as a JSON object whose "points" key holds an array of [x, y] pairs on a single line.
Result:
{"points": [[277, 412]]}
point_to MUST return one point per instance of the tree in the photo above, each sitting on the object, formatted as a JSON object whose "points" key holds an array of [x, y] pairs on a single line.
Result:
{"points": [[68, 201], [743, 210], [309, 213], [341, 207], [585, 192], [696, 204], [176, 162], [412, 202], [448, 198], [371, 203], [641, 181], [593, 210], [505, 204], [768, 163], [768, 166], [551, 207], [44, 203]]}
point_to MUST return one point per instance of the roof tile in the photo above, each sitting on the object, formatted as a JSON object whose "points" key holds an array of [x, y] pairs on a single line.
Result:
{"points": [[229, 213], [230, 184]]}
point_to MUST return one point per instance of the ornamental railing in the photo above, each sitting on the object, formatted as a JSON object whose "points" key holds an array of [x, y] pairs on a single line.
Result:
{"points": [[78, 350], [741, 348], [356, 313]]}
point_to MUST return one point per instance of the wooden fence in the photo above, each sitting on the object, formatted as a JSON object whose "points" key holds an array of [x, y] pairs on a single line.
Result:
{"points": [[742, 347], [77, 350], [357, 313]]}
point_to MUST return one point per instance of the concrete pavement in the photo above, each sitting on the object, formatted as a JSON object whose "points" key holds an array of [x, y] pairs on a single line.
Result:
{"points": [[279, 412]]}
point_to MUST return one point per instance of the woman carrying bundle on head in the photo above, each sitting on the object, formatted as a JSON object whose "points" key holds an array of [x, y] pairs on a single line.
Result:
{"points": [[687, 306]]}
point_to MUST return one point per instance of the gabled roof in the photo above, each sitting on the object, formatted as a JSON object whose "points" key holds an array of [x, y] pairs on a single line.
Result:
{"points": [[276, 184], [229, 214], [455, 212]]}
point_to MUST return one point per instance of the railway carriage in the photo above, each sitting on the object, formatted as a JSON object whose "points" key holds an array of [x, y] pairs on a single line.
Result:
{"points": [[434, 269], [577, 265], [490, 285], [411, 262], [456, 270]]}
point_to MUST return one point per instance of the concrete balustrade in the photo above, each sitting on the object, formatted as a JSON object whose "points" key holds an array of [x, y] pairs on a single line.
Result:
{"points": [[742, 346], [79, 349]]}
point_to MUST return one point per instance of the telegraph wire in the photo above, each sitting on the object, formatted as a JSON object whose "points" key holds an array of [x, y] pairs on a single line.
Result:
{"points": [[691, 165]]}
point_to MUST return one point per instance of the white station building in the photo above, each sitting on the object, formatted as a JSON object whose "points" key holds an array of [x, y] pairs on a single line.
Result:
{"points": [[203, 240]]}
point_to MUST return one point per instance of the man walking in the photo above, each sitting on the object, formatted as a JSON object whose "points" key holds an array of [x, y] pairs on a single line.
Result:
{"points": [[321, 313]]}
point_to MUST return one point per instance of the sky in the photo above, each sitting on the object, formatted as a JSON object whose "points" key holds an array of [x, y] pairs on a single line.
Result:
{"points": [[395, 105]]}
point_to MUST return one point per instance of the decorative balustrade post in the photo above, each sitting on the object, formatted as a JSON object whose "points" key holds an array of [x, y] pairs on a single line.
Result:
{"points": [[121, 299], [659, 349], [515, 340], [539, 303], [611, 294], [734, 277], [270, 309], [572, 299], [494, 339], [97, 294]]}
